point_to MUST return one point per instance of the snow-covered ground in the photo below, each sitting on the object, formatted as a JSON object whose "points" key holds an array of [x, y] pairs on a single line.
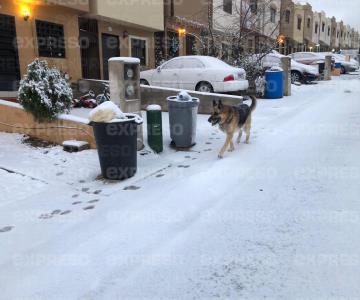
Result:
{"points": [[276, 219]]}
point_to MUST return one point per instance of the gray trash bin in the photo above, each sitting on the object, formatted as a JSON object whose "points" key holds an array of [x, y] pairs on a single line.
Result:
{"points": [[182, 119]]}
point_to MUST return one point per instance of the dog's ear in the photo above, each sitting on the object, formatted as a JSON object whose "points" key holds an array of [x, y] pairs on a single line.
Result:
{"points": [[220, 105], [214, 103]]}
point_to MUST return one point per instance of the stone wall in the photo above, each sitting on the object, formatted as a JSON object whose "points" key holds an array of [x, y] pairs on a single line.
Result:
{"points": [[14, 119]]}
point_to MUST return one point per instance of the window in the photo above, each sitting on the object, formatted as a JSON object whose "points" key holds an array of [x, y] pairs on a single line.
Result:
{"points": [[287, 16], [190, 45], [329, 30], [173, 64], [227, 6], [323, 27], [50, 38], [272, 14], [192, 63], [308, 22], [316, 27], [337, 35], [299, 22], [138, 49], [254, 6], [172, 8]]}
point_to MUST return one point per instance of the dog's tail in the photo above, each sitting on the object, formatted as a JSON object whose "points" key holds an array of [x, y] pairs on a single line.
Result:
{"points": [[253, 103]]}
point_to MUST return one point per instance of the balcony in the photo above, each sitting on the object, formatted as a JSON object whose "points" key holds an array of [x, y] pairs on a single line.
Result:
{"points": [[80, 5], [142, 14]]}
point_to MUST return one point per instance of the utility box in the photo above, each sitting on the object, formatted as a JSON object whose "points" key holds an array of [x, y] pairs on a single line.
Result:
{"points": [[124, 76]]}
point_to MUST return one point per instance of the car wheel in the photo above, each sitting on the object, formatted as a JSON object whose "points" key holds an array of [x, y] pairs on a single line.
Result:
{"points": [[343, 70], [144, 82], [204, 87], [295, 77]]}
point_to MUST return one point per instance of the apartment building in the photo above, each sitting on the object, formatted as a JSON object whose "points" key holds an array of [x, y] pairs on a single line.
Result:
{"points": [[77, 36], [185, 21], [316, 30], [308, 27], [335, 32], [292, 26], [48, 31]]}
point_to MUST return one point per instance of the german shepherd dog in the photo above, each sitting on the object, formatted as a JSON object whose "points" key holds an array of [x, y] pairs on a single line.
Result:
{"points": [[232, 119]]}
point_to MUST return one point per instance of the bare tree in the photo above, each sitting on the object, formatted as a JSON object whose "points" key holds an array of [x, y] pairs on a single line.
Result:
{"points": [[228, 34]]}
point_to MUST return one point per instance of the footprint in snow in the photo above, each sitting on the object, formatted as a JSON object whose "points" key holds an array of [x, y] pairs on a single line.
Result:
{"points": [[65, 212], [207, 150], [45, 216], [160, 175], [6, 229], [131, 188], [76, 202], [187, 156], [75, 196], [89, 207], [82, 181], [208, 143], [56, 212], [59, 174], [93, 201], [97, 192], [85, 189], [184, 166]]}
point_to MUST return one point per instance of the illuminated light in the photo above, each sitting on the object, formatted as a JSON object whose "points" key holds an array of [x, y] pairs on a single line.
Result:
{"points": [[181, 31], [281, 39], [25, 12]]}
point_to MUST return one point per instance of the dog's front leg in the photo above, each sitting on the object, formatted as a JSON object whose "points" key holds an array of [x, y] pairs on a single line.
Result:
{"points": [[226, 145], [239, 136]]}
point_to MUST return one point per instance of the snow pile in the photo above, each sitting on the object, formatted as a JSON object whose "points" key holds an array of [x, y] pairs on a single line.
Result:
{"points": [[275, 69], [183, 96], [74, 143], [44, 92], [153, 107], [106, 112]]}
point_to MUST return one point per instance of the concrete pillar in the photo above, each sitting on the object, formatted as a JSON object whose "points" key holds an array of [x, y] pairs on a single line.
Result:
{"points": [[327, 70], [286, 66]]}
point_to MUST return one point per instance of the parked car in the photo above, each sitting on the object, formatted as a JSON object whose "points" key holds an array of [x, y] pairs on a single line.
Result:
{"points": [[299, 72], [346, 66], [199, 73]]}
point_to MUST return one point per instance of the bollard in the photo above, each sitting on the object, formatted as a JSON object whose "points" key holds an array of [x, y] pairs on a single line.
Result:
{"points": [[154, 127], [327, 70], [286, 66]]}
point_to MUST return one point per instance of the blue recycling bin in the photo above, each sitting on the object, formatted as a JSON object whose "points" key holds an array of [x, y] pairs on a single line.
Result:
{"points": [[274, 84], [337, 65]]}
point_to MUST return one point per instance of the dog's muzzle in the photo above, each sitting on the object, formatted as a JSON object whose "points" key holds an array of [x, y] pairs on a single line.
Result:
{"points": [[214, 120]]}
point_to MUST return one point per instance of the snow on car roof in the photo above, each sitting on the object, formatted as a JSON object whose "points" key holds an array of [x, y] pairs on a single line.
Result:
{"points": [[209, 61]]}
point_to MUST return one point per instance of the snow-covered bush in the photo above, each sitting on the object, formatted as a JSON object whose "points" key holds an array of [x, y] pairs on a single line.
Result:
{"points": [[44, 92]]}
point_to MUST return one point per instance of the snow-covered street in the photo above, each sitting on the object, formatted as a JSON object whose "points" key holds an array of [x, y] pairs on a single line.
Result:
{"points": [[276, 219]]}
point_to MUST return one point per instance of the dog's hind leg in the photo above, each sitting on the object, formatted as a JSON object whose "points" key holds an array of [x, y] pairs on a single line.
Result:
{"points": [[247, 127], [239, 136], [229, 137]]}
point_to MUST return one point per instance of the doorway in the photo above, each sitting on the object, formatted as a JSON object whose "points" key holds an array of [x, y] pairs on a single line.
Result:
{"points": [[110, 48], [9, 58], [89, 45]]}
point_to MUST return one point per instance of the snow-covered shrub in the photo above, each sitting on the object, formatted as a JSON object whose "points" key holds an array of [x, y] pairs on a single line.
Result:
{"points": [[44, 92]]}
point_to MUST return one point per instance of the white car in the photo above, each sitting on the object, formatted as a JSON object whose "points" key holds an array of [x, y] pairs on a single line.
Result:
{"points": [[299, 72], [199, 73], [346, 66], [308, 58]]}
